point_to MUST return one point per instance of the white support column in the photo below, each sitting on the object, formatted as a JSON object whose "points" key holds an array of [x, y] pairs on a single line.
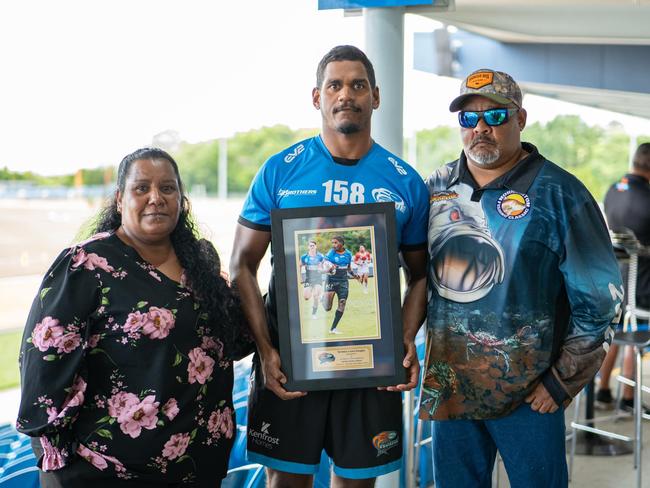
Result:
{"points": [[385, 47], [384, 32], [633, 144]]}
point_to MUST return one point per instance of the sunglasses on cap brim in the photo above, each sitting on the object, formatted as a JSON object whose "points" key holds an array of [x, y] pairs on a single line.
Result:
{"points": [[493, 117]]}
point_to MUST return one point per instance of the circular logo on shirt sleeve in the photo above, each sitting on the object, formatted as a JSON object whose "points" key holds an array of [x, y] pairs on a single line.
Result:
{"points": [[512, 205]]}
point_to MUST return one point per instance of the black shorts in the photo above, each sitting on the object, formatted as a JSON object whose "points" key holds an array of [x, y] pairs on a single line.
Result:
{"points": [[341, 288], [361, 430], [313, 280]]}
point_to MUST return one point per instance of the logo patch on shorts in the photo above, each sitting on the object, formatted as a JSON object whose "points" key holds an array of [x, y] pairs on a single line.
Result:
{"points": [[385, 441], [263, 437], [512, 205]]}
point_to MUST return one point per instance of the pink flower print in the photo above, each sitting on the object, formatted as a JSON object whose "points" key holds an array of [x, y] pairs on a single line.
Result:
{"points": [[200, 366], [136, 417], [220, 423], [119, 467], [135, 321], [121, 402], [52, 457], [94, 340], [52, 414], [76, 395], [184, 281], [210, 344], [176, 446], [155, 275], [170, 409], [92, 457], [96, 237], [91, 261], [160, 322], [46, 333], [67, 343]]}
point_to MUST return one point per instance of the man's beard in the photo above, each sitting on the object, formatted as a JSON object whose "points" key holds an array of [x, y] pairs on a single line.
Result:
{"points": [[348, 128], [484, 158]]}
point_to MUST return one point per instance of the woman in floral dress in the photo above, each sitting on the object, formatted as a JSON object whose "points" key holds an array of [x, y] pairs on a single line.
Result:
{"points": [[126, 361]]}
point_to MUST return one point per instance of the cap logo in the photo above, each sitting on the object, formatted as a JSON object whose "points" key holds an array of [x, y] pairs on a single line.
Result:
{"points": [[479, 80]]}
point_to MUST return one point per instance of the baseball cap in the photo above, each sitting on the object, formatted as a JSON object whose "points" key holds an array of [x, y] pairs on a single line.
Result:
{"points": [[495, 85]]}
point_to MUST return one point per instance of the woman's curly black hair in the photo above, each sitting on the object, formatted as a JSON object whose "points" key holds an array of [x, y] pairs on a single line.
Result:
{"points": [[197, 256]]}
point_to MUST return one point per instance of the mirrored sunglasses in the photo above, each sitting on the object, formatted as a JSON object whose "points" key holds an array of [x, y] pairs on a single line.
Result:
{"points": [[492, 117]]}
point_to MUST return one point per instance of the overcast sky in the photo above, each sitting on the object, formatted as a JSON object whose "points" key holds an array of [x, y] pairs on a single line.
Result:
{"points": [[85, 82]]}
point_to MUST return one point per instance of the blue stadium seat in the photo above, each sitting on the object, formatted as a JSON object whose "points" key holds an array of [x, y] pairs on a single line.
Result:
{"points": [[17, 461], [246, 476]]}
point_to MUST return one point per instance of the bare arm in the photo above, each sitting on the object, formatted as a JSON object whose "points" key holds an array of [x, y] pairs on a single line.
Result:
{"points": [[413, 313], [248, 250]]}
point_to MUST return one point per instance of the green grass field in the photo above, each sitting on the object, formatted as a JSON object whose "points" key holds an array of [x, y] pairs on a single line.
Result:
{"points": [[359, 319], [9, 348]]}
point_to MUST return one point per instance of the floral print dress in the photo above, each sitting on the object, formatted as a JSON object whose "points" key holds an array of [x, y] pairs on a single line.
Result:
{"points": [[119, 366]]}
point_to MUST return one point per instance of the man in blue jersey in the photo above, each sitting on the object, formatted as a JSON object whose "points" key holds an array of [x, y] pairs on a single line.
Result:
{"points": [[312, 263], [288, 430], [524, 291], [337, 280]]}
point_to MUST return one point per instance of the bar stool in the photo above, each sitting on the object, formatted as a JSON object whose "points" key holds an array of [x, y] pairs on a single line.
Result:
{"points": [[631, 337], [639, 340]]}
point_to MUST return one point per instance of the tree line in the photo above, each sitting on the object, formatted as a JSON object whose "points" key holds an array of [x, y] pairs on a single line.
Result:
{"points": [[597, 155]]}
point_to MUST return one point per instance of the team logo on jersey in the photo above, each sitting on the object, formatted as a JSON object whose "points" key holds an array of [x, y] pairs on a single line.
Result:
{"points": [[384, 441], [385, 195], [400, 169], [294, 154], [326, 357], [441, 196], [512, 205], [282, 192]]}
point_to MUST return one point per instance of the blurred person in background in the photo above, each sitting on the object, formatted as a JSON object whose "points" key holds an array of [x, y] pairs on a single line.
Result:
{"points": [[627, 207], [363, 259], [312, 264], [126, 359]]}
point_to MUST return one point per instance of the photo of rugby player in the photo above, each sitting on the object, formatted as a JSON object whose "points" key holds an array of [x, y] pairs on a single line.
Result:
{"points": [[311, 273], [331, 310]]}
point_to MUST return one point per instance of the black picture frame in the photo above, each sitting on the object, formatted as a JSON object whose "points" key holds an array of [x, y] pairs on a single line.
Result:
{"points": [[367, 348]]}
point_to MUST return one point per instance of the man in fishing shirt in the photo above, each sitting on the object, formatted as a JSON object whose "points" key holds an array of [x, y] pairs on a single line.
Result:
{"points": [[523, 291]]}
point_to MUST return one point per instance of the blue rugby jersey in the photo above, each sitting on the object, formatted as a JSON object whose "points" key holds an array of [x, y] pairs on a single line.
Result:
{"points": [[523, 287], [306, 175], [312, 265], [342, 261]]}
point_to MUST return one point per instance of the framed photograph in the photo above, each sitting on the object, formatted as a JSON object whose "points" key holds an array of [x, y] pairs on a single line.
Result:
{"points": [[338, 296]]}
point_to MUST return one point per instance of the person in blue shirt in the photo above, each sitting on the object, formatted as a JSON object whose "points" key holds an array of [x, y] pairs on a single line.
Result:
{"points": [[337, 280], [312, 262], [288, 430], [524, 291]]}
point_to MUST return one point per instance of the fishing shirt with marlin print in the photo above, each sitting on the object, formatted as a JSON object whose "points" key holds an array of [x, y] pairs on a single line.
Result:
{"points": [[523, 288]]}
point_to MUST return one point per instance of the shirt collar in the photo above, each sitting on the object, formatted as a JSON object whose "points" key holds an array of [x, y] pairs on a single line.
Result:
{"points": [[519, 178], [639, 178]]}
